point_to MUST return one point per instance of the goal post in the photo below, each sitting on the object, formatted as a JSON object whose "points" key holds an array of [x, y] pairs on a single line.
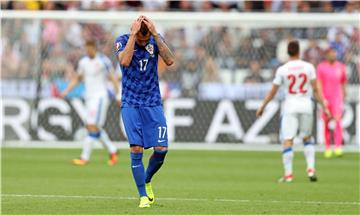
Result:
{"points": [[224, 66]]}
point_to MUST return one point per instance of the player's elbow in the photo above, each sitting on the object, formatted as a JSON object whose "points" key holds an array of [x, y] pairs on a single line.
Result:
{"points": [[169, 62], [124, 63]]}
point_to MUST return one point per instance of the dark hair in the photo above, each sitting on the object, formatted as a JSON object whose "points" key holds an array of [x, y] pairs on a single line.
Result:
{"points": [[293, 48], [144, 29], [90, 42]]}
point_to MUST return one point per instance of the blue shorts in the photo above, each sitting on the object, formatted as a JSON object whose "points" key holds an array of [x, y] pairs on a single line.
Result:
{"points": [[145, 126]]}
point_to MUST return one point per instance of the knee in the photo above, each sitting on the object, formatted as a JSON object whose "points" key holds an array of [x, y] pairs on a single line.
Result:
{"points": [[136, 149], [288, 143], [93, 131], [307, 138], [92, 128], [161, 148]]}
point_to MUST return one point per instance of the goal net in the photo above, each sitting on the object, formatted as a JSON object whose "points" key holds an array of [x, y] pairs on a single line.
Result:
{"points": [[224, 66]]}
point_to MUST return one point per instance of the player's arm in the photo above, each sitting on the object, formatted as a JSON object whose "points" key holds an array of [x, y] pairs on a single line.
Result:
{"points": [[316, 87], [344, 83], [164, 50], [125, 56], [73, 82], [115, 82], [271, 94], [344, 91]]}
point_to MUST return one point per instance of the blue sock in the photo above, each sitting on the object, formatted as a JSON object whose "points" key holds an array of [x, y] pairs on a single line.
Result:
{"points": [[138, 172], [309, 142], [94, 134], [155, 162]]}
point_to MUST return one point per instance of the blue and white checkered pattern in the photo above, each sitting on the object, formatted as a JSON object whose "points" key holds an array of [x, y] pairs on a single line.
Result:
{"points": [[140, 80]]}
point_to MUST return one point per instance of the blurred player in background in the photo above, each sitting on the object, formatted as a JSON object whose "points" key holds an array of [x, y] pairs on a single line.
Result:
{"points": [[142, 112], [299, 79], [95, 69], [332, 82]]}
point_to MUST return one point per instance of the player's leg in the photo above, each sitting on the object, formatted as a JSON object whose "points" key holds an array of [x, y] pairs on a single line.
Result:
{"points": [[138, 171], [155, 162], [104, 138], [289, 127], [133, 128], [338, 138], [338, 131], [327, 136], [90, 140], [309, 153], [155, 135], [305, 128], [93, 132]]}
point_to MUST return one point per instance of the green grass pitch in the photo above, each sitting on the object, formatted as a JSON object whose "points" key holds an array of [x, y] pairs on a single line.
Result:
{"points": [[42, 181]]}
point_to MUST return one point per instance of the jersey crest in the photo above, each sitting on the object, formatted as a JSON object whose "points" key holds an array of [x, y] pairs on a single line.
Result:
{"points": [[150, 49]]}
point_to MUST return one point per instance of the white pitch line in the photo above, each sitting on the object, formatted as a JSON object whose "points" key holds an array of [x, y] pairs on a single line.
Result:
{"points": [[296, 202], [179, 199]]}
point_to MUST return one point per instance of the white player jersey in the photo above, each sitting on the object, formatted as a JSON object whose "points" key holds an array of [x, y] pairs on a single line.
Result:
{"points": [[296, 76], [94, 72]]}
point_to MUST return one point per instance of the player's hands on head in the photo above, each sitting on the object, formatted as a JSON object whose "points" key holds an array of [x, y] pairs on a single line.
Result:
{"points": [[135, 27], [150, 26]]}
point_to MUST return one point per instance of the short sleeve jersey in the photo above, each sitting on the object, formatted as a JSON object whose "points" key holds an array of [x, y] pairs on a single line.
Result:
{"points": [[95, 71], [140, 80], [296, 77]]}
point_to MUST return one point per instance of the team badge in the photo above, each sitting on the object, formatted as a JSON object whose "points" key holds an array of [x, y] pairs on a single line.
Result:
{"points": [[150, 49], [118, 46]]}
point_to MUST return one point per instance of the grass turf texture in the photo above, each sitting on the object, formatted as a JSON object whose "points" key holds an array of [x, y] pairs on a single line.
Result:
{"points": [[205, 182]]}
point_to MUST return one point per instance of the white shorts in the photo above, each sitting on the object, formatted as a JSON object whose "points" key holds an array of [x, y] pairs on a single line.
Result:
{"points": [[293, 124], [96, 110]]}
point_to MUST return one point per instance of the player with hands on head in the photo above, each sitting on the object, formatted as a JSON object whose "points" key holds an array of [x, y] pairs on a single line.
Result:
{"points": [[141, 110]]}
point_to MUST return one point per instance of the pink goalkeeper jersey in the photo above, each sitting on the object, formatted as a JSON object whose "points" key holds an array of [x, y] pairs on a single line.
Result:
{"points": [[332, 77]]}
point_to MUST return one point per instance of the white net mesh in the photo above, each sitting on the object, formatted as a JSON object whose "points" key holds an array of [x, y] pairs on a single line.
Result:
{"points": [[217, 57]]}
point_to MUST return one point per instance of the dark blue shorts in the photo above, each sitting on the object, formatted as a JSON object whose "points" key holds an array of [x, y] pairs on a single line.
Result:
{"points": [[145, 126]]}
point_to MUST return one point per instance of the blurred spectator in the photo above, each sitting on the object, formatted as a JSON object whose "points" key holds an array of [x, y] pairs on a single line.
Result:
{"points": [[339, 46], [207, 66], [352, 7], [243, 53], [313, 54], [225, 6], [202, 52], [183, 5], [254, 74], [155, 5], [190, 80], [284, 6], [327, 7], [51, 32], [204, 6], [338, 5], [186, 5], [226, 51], [304, 7]]}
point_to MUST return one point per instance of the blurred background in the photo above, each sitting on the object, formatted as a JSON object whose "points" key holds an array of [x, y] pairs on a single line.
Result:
{"points": [[223, 68]]}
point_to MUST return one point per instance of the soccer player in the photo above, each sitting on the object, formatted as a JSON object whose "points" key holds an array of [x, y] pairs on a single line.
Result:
{"points": [[332, 81], [299, 79], [95, 69], [142, 112]]}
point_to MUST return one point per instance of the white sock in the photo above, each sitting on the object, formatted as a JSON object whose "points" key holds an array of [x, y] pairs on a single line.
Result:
{"points": [[104, 138], [309, 152], [288, 156], [87, 148]]}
